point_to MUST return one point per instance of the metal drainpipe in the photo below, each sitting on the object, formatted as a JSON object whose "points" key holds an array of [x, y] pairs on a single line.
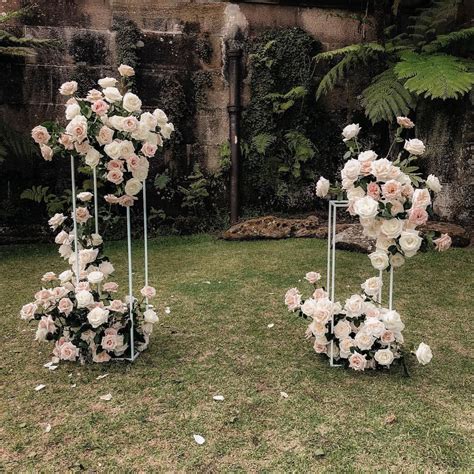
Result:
{"points": [[234, 108]]}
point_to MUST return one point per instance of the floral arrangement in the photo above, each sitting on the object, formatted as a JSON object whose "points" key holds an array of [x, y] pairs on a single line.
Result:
{"points": [[361, 334], [79, 309], [390, 198]]}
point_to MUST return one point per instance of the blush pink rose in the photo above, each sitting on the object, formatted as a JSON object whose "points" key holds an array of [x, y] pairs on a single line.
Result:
{"points": [[115, 165], [105, 136], [109, 342], [94, 95], [110, 287], [65, 306], [443, 243], [68, 351], [82, 215], [366, 168], [115, 176], [130, 124], [66, 141], [357, 361], [373, 190], [417, 216], [127, 201], [387, 337], [46, 152], [40, 135], [100, 107], [392, 189], [292, 299], [148, 292], [101, 357], [319, 294], [148, 149], [111, 199], [117, 305]]}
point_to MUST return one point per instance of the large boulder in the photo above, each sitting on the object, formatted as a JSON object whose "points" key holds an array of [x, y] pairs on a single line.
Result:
{"points": [[270, 227], [458, 234]]}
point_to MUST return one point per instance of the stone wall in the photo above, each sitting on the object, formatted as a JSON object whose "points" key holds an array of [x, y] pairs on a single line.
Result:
{"points": [[171, 31]]}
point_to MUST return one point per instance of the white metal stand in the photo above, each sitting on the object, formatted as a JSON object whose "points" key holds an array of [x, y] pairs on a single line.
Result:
{"points": [[74, 218]]}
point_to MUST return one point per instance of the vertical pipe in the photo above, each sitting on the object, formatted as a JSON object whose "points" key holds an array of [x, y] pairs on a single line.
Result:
{"points": [[96, 205], [130, 284], [390, 290], [328, 270], [234, 57], [380, 291], [145, 236], [333, 257], [76, 240]]}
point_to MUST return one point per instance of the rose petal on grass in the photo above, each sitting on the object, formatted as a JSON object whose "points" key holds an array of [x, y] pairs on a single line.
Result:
{"points": [[167, 310], [270, 325], [53, 367], [47, 428], [283, 395], [39, 387], [74, 385], [390, 419], [199, 439], [106, 397], [218, 398], [48, 364], [100, 377]]}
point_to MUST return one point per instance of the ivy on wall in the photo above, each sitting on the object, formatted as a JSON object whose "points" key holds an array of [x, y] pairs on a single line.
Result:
{"points": [[287, 140]]}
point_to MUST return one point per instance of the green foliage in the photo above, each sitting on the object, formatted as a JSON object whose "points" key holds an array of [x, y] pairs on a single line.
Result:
{"points": [[413, 62], [202, 81], [88, 47], [195, 193], [262, 142], [386, 97], [54, 203], [434, 76]]}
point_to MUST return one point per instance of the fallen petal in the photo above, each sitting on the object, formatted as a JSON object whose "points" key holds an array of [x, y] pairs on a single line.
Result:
{"points": [[100, 377], [47, 428], [74, 385], [219, 398], [53, 367], [199, 439], [106, 397], [39, 387], [48, 364], [284, 394], [167, 310], [270, 325]]}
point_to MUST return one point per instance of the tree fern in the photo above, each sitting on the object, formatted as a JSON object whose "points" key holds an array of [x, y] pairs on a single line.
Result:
{"points": [[435, 76], [386, 98], [262, 141], [445, 41]]}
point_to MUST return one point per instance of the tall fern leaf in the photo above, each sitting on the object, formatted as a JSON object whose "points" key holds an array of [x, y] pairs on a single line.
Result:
{"points": [[386, 98], [435, 76]]}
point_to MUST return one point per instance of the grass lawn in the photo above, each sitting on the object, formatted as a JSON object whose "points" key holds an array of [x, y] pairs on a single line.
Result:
{"points": [[222, 296]]}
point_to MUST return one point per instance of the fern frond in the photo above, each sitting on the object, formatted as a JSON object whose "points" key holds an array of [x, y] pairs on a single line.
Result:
{"points": [[12, 51], [444, 41], [435, 76], [386, 98], [262, 141], [328, 55]]}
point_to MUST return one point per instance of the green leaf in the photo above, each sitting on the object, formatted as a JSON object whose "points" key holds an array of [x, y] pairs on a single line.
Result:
{"points": [[386, 98], [435, 76], [262, 142]]}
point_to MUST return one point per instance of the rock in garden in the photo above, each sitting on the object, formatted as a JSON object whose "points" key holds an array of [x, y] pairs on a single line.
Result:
{"points": [[352, 239]]}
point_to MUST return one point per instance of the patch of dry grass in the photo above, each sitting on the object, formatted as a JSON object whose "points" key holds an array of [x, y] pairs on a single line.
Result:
{"points": [[216, 341]]}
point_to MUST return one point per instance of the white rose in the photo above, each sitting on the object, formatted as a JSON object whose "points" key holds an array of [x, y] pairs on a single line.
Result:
{"points": [[65, 276], [309, 307], [383, 243], [113, 150], [366, 207], [112, 94], [106, 268], [77, 128], [56, 220], [421, 198], [85, 196], [166, 130], [364, 341], [126, 71], [433, 183], [424, 354], [374, 326], [392, 228], [95, 277], [131, 102], [105, 135], [107, 82], [393, 321], [379, 259], [384, 356], [366, 156], [28, 311], [133, 186], [410, 242], [116, 121], [68, 88], [98, 316], [149, 120], [355, 193], [312, 277], [322, 187], [96, 240], [72, 110], [84, 299], [65, 250], [351, 131], [126, 148], [342, 329], [92, 158], [150, 316], [414, 146], [372, 286], [160, 116], [354, 306], [351, 170], [382, 169]]}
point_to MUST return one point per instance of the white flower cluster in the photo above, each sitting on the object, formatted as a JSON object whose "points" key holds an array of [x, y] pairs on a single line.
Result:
{"points": [[390, 198], [365, 335], [109, 130]]}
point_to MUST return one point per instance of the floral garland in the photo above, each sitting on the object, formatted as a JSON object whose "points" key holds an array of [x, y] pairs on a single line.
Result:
{"points": [[390, 198], [78, 309], [364, 334]]}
